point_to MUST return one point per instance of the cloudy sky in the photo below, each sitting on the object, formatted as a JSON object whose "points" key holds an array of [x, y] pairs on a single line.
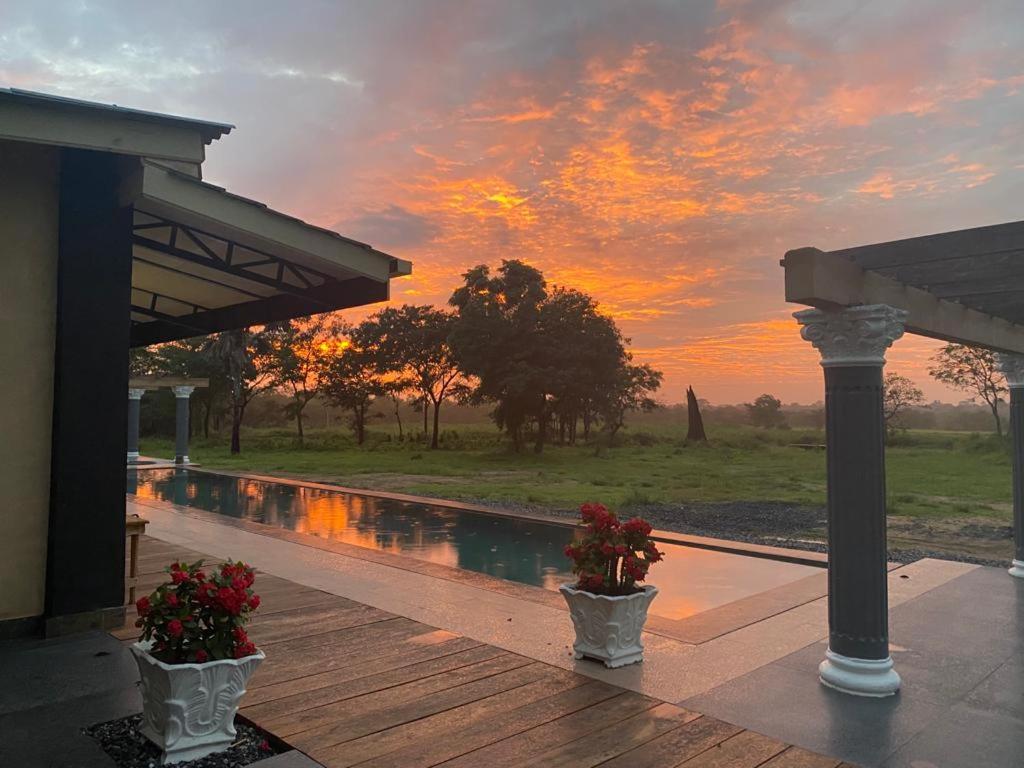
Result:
{"points": [[660, 155]]}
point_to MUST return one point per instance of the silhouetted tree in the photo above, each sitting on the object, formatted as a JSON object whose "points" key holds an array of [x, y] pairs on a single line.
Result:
{"points": [[766, 411], [633, 391], [497, 339], [242, 359], [412, 342], [297, 354], [972, 370], [356, 377], [899, 395]]}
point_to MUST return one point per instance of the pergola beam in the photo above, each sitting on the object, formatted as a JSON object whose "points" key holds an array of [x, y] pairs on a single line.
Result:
{"points": [[284, 306], [829, 281]]}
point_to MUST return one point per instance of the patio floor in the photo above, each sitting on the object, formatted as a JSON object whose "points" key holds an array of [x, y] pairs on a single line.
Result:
{"points": [[955, 633], [349, 684]]}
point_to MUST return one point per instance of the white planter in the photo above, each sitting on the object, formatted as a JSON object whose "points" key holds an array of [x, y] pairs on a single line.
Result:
{"points": [[608, 628], [188, 710]]}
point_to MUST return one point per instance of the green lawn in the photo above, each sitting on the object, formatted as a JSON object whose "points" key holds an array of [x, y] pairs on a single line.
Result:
{"points": [[931, 475]]}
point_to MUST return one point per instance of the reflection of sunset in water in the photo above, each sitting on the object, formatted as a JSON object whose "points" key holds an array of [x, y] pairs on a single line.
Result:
{"points": [[690, 580]]}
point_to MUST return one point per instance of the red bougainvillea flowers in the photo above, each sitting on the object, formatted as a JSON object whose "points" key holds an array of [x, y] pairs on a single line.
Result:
{"points": [[198, 617], [611, 557]]}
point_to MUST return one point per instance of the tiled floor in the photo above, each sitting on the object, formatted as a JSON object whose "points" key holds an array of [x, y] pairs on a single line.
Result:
{"points": [[960, 651]]}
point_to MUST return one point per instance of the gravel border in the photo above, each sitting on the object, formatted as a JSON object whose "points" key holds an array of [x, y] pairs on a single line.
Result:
{"points": [[128, 748], [770, 523]]}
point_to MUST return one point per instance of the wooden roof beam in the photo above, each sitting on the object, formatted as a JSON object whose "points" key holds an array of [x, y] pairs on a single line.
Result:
{"points": [[828, 281]]}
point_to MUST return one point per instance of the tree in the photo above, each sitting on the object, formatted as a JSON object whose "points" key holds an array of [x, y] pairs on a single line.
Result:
{"points": [[412, 342], [588, 365], [143, 361], [632, 392], [298, 352], [898, 395], [242, 356], [496, 338], [355, 378], [766, 411], [694, 421], [543, 356], [972, 370]]}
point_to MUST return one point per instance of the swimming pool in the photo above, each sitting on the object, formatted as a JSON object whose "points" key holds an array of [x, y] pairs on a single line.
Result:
{"points": [[690, 580]]}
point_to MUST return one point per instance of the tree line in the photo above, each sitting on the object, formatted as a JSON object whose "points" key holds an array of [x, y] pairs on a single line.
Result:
{"points": [[548, 362], [972, 370]]}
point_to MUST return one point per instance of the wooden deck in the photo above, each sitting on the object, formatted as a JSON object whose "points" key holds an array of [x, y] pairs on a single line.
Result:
{"points": [[349, 685]]}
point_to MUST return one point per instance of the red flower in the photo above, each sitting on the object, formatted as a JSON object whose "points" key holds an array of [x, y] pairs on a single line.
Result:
{"points": [[194, 611], [636, 525], [265, 746], [243, 650], [611, 556]]}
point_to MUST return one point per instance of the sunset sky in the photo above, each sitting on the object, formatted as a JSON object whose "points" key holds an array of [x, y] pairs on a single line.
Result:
{"points": [[659, 155]]}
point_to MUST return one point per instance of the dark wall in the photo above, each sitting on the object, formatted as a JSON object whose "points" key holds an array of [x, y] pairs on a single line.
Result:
{"points": [[85, 558]]}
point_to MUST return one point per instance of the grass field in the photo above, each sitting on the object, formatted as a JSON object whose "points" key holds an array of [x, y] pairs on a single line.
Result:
{"points": [[930, 475]]}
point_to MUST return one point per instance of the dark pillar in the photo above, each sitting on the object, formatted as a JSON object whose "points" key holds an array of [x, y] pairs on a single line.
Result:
{"points": [[1013, 368], [853, 342], [181, 396], [858, 608], [86, 540], [134, 403]]}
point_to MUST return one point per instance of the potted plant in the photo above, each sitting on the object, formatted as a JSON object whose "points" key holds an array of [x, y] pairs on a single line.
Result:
{"points": [[195, 658], [607, 604]]}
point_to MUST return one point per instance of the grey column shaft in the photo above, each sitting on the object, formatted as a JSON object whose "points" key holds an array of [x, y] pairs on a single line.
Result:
{"points": [[134, 407], [858, 609], [180, 429], [1017, 435]]}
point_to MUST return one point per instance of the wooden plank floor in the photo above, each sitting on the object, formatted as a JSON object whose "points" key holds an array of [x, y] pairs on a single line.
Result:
{"points": [[349, 685]]}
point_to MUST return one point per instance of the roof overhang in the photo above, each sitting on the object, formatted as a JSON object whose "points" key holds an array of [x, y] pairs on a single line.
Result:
{"points": [[965, 286], [46, 119], [206, 260]]}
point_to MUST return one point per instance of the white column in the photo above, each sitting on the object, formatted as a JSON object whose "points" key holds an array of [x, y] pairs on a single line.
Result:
{"points": [[1012, 367], [853, 342], [181, 395]]}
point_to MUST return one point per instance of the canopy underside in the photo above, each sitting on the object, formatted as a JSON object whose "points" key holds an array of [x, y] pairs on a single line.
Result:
{"points": [[205, 260]]}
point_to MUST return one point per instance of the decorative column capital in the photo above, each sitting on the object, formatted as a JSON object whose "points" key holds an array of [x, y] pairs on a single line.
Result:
{"points": [[853, 335], [1012, 366], [183, 391], [135, 393]]}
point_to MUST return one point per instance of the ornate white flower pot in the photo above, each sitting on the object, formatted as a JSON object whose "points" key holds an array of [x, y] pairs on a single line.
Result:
{"points": [[608, 628], [188, 710]]}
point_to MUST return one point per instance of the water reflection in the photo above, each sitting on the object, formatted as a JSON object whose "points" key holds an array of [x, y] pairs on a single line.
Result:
{"points": [[690, 580], [518, 550]]}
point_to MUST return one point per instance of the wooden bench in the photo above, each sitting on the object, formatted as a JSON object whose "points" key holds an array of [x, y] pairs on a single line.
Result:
{"points": [[134, 527]]}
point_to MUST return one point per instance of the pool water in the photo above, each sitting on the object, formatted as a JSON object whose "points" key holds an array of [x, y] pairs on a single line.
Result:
{"points": [[690, 580]]}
